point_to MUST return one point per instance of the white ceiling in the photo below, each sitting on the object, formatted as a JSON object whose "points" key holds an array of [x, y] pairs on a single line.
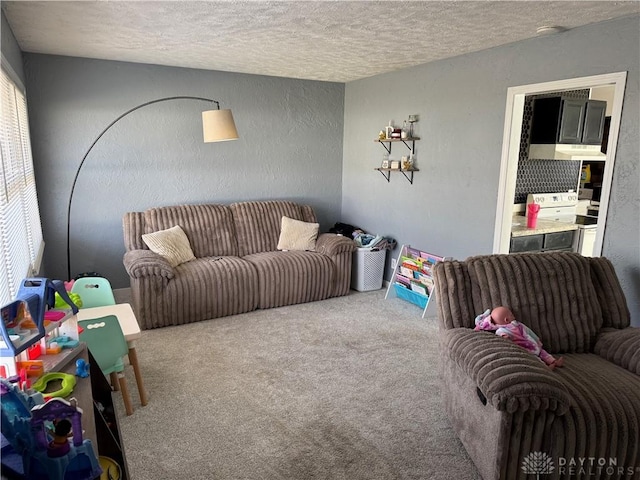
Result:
{"points": [[319, 40]]}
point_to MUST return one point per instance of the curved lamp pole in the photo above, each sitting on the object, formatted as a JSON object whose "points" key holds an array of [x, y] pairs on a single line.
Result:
{"points": [[218, 126]]}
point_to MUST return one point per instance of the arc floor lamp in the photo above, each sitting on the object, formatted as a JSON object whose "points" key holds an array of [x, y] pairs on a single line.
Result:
{"points": [[217, 126]]}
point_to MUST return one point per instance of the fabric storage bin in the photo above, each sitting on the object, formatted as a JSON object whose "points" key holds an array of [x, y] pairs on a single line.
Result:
{"points": [[368, 269], [411, 296]]}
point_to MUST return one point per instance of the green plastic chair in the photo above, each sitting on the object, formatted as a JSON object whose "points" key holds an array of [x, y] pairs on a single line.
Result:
{"points": [[94, 291], [107, 344]]}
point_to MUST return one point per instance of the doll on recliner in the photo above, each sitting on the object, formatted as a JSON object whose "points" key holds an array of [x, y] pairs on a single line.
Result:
{"points": [[502, 321]]}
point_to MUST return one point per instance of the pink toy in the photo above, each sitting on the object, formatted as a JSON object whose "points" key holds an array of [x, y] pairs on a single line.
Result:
{"points": [[502, 321]]}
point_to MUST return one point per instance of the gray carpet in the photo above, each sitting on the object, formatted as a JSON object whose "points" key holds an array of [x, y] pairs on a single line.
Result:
{"points": [[346, 388]]}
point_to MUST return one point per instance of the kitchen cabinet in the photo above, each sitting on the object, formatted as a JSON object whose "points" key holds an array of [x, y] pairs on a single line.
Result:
{"points": [[543, 242], [528, 243], [594, 122], [558, 240], [568, 120]]}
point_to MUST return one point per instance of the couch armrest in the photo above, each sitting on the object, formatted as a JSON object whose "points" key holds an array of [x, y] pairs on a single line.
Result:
{"points": [[511, 378], [145, 263], [333, 244], [620, 346]]}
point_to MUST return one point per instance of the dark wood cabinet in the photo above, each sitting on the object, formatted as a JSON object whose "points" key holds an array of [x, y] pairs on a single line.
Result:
{"points": [[527, 243], [571, 122], [594, 122], [543, 242], [567, 120]]}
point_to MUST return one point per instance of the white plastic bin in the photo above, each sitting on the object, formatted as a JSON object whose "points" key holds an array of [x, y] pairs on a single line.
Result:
{"points": [[368, 269]]}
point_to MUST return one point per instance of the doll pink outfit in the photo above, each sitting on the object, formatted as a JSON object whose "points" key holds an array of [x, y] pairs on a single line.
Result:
{"points": [[502, 321], [522, 335]]}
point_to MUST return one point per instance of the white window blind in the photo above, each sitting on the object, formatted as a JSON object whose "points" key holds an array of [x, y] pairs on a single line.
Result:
{"points": [[20, 230]]}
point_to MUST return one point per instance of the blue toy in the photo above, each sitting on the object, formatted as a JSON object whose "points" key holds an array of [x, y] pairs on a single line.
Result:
{"points": [[25, 429], [82, 368]]}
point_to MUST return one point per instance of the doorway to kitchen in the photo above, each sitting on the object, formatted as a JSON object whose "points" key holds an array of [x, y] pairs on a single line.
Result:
{"points": [[511, 147]]}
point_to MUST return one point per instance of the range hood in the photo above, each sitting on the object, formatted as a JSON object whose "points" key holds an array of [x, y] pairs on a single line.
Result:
{"points": [[565, 151]]}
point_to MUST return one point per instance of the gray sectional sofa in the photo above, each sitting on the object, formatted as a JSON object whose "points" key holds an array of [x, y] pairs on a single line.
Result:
{"points": [[237, 268], [515, 416]]}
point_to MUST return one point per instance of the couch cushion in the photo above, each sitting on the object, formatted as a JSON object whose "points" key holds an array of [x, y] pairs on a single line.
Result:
{"points": [[604, 415], [211, 287], [209, 228], [257, 224], [287, 278], [172, 244], [551, 293]]}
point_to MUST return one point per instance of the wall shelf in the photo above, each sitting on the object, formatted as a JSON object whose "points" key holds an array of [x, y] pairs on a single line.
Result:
{"points": [[386, 173], [392, 140], [410, 143]]}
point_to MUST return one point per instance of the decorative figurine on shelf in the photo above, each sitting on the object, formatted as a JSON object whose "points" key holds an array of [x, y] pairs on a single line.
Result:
{"points": [[405, 131], [382, 135], [412, 119], [388, 130]]}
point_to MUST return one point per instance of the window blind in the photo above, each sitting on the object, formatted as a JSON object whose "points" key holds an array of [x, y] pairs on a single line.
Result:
{"points": [[21, 241]]}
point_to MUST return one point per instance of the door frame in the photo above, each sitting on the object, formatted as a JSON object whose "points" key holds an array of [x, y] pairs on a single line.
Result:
{"points": [[511, 148]]}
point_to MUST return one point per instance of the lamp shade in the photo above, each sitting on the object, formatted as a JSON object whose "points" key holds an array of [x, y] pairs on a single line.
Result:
{"points": [[218, 126]]}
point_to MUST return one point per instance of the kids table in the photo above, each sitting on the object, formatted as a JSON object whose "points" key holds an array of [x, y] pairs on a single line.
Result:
{"points": [[130, 329]]}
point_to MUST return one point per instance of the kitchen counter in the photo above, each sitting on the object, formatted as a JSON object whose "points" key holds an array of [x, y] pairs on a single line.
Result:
{"points": [[519, 226]]}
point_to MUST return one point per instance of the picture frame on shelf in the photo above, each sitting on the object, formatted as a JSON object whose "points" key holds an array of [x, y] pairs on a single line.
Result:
{"points": [[394, 165]]}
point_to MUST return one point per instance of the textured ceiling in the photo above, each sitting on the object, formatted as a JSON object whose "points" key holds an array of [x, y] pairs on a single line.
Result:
{"points": [[319, 40]]}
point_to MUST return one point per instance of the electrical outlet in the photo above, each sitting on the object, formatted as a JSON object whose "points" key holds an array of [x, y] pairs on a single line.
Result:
{"points": [[393, 263]]}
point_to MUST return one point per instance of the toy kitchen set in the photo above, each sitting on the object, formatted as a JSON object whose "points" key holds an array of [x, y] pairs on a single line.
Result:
{"points": [[563, 222]]}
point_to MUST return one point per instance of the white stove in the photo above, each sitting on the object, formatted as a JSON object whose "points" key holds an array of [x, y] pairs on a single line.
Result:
{"points": [[559, 207]]}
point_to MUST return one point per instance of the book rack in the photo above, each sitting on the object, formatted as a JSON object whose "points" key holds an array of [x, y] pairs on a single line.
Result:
{"points": [[412, 279]]}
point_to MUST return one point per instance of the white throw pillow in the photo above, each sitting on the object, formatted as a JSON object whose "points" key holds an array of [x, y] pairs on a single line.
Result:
{"points": [[297, 235], [172, 244]]}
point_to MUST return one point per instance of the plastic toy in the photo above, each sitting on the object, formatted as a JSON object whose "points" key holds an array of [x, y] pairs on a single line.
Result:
{"points": [[54, 315], [24, 425], [68, 383], [53, 348], [23, 324], [65, 341], [62, 303], [33, 368], [82, 368]]}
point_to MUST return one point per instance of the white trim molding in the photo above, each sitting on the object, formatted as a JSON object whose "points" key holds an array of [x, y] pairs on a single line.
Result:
{"points": [[511, 147]]}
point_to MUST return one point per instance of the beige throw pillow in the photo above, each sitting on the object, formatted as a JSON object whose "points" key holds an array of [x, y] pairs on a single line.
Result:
{"points": [[297, 235], [172, 244]]}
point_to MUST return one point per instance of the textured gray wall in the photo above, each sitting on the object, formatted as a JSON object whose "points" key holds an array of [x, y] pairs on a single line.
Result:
{"points": [[10, 49], [450, 208], [290, 147]]}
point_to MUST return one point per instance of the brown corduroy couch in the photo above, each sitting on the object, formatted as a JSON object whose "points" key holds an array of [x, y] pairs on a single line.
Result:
{"points": [[515, 416], [237, 267]]}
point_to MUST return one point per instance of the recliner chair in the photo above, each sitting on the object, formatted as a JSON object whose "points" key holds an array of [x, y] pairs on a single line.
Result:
{"points": [[514, 415]]}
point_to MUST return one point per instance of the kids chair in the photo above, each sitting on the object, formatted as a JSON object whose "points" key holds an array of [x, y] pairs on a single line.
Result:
{"points": [[108, 346], [94, 291]]}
